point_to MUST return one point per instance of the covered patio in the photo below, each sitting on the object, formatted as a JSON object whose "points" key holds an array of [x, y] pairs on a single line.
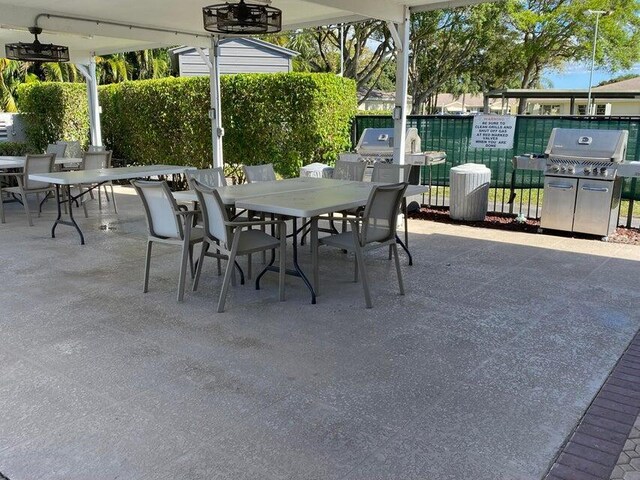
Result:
{"points": [[481, 371]]}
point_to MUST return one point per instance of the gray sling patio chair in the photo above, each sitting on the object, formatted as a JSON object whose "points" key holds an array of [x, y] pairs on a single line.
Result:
{"points": [[33, 164], [210, 177], [255, 174], [94, 161], [343, 170], [259, 173], [74, 150], [374, 229], [58, 148], [393, 173], [232, 238], [167, 223]]}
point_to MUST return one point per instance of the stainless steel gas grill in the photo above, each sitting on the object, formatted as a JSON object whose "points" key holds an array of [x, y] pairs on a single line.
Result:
{"points": [[581, 183], [376, 145]]}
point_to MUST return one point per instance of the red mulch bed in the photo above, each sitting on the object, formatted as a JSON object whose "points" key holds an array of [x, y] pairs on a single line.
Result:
{"points": [[505, 221]]}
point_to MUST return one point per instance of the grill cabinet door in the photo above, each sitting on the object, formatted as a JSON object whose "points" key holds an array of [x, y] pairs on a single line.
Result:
{"points": [[593, 207], [558, 203]]}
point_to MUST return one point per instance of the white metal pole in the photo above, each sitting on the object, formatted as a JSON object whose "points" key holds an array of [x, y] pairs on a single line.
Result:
{"points": [[402, 88], [597, 13], [94, 111], [217, 132]]}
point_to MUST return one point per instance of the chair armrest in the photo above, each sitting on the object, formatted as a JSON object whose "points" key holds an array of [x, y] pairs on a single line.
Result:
{"points": [[11, 174]]}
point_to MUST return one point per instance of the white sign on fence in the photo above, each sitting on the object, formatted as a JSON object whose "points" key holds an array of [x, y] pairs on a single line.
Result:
{"points": [[493, 131]]}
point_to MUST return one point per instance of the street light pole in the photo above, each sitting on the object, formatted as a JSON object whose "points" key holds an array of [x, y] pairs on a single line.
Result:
{"points": [[597, 13]]}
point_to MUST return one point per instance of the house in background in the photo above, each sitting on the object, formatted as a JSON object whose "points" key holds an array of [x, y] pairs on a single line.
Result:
{"points": [[446, 103], [237, 55], [616, 99], [379, 100]]}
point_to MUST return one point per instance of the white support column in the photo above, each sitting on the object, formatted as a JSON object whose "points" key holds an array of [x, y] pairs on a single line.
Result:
{"points": [[217, 132], [400, 33], [96, 131], [89, 73]]}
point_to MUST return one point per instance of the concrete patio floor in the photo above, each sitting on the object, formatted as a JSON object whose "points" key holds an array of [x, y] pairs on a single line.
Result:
{"points": [[479, 372]]}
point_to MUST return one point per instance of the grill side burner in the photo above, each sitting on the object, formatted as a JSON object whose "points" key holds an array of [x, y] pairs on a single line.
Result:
{"points": [[582, 188]]}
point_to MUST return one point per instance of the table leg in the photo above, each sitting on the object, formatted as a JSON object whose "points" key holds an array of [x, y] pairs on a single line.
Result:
{"points": [[59, 218], [314, 254], [72, 221], [296, 266], [405, 248], [296, 271]]}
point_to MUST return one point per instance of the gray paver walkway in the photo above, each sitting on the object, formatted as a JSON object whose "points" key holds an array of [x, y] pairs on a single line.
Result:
{"points": [[628, 466], [496, 350]]}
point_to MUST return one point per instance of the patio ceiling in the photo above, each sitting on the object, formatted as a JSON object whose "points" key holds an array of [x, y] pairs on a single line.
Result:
{"points": [[182, 20]]}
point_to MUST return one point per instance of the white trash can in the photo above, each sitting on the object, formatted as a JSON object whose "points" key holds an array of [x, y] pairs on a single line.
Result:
{"points": [[317, 170], [469, 191]]}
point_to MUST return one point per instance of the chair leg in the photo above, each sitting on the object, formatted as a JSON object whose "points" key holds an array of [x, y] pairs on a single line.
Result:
{"points": [[192, 270], [283, 259], [99, 198], [249, 267], [394, 247], [25, 203], [355, 270], [39, 205], [2, 219], [406, 222], [147, 265], [228, 272], [113, 200], [84, 203], [203, 252], [363, 275], [183, 268]]}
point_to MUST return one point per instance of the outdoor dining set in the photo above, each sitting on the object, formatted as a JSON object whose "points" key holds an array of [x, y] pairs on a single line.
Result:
{"points": [[230, 221]]}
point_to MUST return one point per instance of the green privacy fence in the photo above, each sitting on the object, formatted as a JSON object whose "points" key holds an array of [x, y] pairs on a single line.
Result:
{"points": [[452, 135]]}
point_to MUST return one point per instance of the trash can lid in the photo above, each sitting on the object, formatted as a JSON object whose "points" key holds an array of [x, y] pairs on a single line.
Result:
{"points": [[470, 168]]}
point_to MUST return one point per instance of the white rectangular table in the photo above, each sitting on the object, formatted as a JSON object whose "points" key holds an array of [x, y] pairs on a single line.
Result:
{"points": [[310, 203], [96, 177], [7, 161], [305, 197]]}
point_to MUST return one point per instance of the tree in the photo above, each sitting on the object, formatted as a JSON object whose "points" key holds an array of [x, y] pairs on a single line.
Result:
{"points": [[619, 78], [451, 49], [148, 64], [553, 32], [11, 74], [367, 52]]}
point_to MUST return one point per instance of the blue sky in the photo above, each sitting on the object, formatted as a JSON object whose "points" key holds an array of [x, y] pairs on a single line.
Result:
{"points": [[576, 75]]}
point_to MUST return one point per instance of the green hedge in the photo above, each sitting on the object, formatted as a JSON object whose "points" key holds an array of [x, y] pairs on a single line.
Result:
{"points": [[14, 149], [288, 119], [54, 111]]}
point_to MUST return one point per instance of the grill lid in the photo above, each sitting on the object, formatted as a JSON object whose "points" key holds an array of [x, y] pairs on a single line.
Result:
{"points": [[379, 142], [587, 144]]}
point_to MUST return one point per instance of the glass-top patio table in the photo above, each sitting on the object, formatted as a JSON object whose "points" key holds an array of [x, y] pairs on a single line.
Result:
{"points": [[304, 197]]}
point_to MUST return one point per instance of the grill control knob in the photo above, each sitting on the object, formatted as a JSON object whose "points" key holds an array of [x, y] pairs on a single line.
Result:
{"points": [[555, 168], [604, 171], [587, 170], [571, 169], [563, 168]]}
